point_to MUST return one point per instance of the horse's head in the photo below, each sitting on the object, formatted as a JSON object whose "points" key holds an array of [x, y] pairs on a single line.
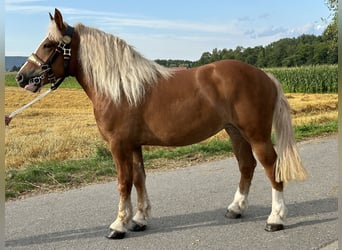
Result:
{"points": [[51, 61]]}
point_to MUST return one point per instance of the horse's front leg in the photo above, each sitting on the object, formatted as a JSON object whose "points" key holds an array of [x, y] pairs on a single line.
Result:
{"points": [[247, 164], [124, 165], [139, 221]]}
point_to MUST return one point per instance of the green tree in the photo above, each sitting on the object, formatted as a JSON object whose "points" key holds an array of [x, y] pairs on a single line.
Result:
{"points": [[215, 55], [205, 58], [330, 34], [14, 68], [321, 52]]}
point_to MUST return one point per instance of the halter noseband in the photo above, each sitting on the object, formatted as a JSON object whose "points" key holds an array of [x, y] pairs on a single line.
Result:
{"points": [[46, 67]]}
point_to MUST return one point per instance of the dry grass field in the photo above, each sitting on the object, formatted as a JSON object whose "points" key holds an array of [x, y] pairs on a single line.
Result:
{"points": [[61, 125], [58, 127]]}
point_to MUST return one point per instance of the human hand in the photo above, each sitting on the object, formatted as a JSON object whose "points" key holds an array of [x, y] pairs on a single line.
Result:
{"points": [[7, 120]]}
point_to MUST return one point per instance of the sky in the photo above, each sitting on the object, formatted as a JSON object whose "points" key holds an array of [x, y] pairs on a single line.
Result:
{"points": [[170, 29]]}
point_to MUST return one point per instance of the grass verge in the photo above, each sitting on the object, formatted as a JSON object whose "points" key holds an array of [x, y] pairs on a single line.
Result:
{"points": [[66, 174]]}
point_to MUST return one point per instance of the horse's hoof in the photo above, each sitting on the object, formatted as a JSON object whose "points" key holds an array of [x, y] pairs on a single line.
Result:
{"points": [[274, 227], [115, 235], [135, 227], [232, 215]]}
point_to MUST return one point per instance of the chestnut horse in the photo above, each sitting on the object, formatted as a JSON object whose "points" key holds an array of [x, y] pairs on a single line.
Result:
{"points": [[138, 102]]}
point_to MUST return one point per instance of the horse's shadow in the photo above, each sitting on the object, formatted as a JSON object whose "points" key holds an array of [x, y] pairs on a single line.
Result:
{"points": [[188, 221], [254, 213]]}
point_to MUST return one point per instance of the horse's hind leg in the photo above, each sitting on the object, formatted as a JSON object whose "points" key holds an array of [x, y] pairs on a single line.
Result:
{"points": [[267, 157], [243, 152], [143, 204]]}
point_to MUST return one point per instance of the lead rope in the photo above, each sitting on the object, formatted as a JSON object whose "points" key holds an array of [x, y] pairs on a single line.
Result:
{"points": [[30, 103]]}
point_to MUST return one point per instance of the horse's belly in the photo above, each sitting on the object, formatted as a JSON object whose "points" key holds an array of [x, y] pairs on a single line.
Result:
{"points": [[183, 128]]}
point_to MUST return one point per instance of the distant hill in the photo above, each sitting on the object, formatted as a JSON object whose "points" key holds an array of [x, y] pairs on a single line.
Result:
{"points": [[11, 61]]}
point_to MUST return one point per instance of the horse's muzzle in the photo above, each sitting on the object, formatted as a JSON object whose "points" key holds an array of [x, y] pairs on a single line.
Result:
{"points": [[20, 79], [32, 84]]}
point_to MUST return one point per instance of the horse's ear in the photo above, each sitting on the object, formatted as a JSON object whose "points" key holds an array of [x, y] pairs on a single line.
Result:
{"points": [[58, 19], [51, 17]]}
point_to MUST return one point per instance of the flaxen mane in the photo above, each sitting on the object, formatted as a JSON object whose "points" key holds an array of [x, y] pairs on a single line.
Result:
{"points": [[114, 67]]}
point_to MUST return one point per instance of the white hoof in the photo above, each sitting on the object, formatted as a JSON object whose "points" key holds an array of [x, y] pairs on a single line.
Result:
{"points": [[239, 204], [279, 210]]}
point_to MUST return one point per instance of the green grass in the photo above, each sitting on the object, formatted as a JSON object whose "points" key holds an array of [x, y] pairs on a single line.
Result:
{"points": [[51, 175], [317, 129], [213, 147], [10, 80], [59, 174]]}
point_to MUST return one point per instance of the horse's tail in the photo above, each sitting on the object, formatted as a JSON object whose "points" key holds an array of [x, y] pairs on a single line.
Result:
{"points": [[288, 165]]}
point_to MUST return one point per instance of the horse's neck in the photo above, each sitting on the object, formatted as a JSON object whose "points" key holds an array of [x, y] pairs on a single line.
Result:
{"points": [[87, 86], [100, 102]]}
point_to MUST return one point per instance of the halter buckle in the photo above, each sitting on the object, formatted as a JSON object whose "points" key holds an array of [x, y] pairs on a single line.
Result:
{"points": [[66, 39]]}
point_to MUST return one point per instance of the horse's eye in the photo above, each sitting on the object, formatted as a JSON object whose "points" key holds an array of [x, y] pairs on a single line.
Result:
{"points": [[47, 46]]}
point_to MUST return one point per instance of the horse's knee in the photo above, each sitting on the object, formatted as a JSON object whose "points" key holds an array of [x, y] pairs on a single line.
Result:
{"points": [[265, 153], [267, 157]]}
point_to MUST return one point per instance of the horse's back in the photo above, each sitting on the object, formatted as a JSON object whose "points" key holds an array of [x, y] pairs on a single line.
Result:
{"points": [[240, 87]]}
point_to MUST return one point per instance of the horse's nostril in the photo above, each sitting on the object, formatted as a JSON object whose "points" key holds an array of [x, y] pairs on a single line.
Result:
{"points": [[19, 78]]}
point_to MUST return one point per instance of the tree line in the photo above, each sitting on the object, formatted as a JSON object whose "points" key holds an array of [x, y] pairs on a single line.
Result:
{"points": [[286, 52]]}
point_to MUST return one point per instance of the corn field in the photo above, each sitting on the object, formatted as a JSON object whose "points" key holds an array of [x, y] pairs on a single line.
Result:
{"points": [[307, 79]]}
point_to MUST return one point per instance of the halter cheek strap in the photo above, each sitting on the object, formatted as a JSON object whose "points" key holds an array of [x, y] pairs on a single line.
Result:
{"points": [[46, 67], [63, 47]]}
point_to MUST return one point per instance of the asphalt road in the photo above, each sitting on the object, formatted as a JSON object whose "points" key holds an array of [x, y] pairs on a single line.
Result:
{"points": [[188, 207]]}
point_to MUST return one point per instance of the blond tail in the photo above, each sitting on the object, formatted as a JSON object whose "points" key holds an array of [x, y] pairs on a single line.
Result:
{"points": [[288, 165]]}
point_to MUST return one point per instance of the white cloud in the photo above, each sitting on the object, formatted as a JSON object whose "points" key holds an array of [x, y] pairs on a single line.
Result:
{"points": [[308, 28], [115, 20], [162, 24]]}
